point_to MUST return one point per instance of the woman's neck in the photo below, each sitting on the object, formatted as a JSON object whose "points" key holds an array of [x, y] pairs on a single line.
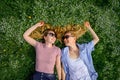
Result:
{"points": [[48, 45], [73, 47], [74, 51]]}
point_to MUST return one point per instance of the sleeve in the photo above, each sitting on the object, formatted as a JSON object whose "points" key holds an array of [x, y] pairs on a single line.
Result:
{"points": [[63, 60], [59, 52], [38, 44], [89, 46]]}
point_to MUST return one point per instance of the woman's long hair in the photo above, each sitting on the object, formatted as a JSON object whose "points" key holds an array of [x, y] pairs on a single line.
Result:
{"points": [[76, 29]]}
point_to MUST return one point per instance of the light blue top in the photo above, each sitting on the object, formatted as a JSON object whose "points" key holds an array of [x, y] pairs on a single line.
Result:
{"points": [[85, 59], [77, 69]]}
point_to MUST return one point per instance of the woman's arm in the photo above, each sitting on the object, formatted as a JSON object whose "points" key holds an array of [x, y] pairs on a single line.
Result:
{"points": [[26, 36], [63, 73], [58, 67], [94, 35]]}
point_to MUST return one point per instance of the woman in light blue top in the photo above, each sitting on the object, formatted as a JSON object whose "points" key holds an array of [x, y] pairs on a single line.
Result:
{"points": [[76, 58]]}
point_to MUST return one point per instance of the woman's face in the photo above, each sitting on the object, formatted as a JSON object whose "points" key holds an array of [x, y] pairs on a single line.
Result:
{"points": [[69, 39], [50, 37]]}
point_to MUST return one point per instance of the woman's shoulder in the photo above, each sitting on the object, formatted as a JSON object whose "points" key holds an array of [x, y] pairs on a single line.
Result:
{"points": [[85, 44], [56, 48], [65, 48], [38, 44]]}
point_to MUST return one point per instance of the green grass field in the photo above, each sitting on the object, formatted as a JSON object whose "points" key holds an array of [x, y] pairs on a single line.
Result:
{"points": [[17, 58]]}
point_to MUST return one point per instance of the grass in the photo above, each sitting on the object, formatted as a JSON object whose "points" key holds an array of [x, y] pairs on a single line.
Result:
{"points": [[17, 57]]}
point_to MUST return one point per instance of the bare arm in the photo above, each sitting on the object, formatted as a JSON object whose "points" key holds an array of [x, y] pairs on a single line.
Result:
{"points": [[26, 36], [58, 67], [63, 73], [94, 35]]}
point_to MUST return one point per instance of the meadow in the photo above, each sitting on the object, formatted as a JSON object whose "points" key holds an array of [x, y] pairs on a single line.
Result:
{"points": [[17, 57]]}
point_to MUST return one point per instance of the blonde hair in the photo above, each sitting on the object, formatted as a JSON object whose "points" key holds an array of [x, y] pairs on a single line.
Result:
{"points": [[76, 30]]}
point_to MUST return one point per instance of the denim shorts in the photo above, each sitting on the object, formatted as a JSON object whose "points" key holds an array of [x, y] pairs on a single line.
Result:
{"points": [[43, 76]]}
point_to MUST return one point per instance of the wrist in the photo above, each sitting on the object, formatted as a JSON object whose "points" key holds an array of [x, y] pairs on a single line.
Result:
{"points": [[89, 28], [59, 79]]}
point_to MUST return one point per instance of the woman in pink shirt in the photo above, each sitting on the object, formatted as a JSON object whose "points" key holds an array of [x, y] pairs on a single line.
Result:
{"points": [[47, 54]]}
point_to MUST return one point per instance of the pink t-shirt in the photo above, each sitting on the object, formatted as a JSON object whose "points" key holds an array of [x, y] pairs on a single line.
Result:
{"points": [[46, 57]]}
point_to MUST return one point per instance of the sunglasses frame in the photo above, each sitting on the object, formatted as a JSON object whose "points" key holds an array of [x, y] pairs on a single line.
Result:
{"points": [[66, 37], [51, 34]]}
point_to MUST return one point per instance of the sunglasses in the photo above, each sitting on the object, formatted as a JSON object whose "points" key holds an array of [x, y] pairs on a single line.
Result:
{"points": [[52, 34], [66, 37]]}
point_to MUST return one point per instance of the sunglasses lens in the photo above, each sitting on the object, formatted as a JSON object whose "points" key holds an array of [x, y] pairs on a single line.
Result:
{"points": [[66, 37], [52, 34]]}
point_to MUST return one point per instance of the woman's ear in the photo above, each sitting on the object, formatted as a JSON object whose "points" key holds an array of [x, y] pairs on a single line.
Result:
{"points": [[44, 37], [75, 38]]}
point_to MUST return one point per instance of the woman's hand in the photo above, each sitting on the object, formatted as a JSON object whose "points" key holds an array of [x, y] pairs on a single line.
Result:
{"points": [[87, 24], [41, 23]]}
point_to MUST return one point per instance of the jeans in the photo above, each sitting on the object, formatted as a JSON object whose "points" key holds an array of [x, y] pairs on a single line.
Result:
{"points": [[43, 76]]}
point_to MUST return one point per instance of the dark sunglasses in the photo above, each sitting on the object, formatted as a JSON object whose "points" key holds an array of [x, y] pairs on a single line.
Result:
{"points": [[51, 34], [66, 37]]}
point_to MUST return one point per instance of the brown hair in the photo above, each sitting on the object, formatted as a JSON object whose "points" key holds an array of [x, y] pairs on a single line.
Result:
{"points": [[39, 32], [45, 32], [75, 29]]}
